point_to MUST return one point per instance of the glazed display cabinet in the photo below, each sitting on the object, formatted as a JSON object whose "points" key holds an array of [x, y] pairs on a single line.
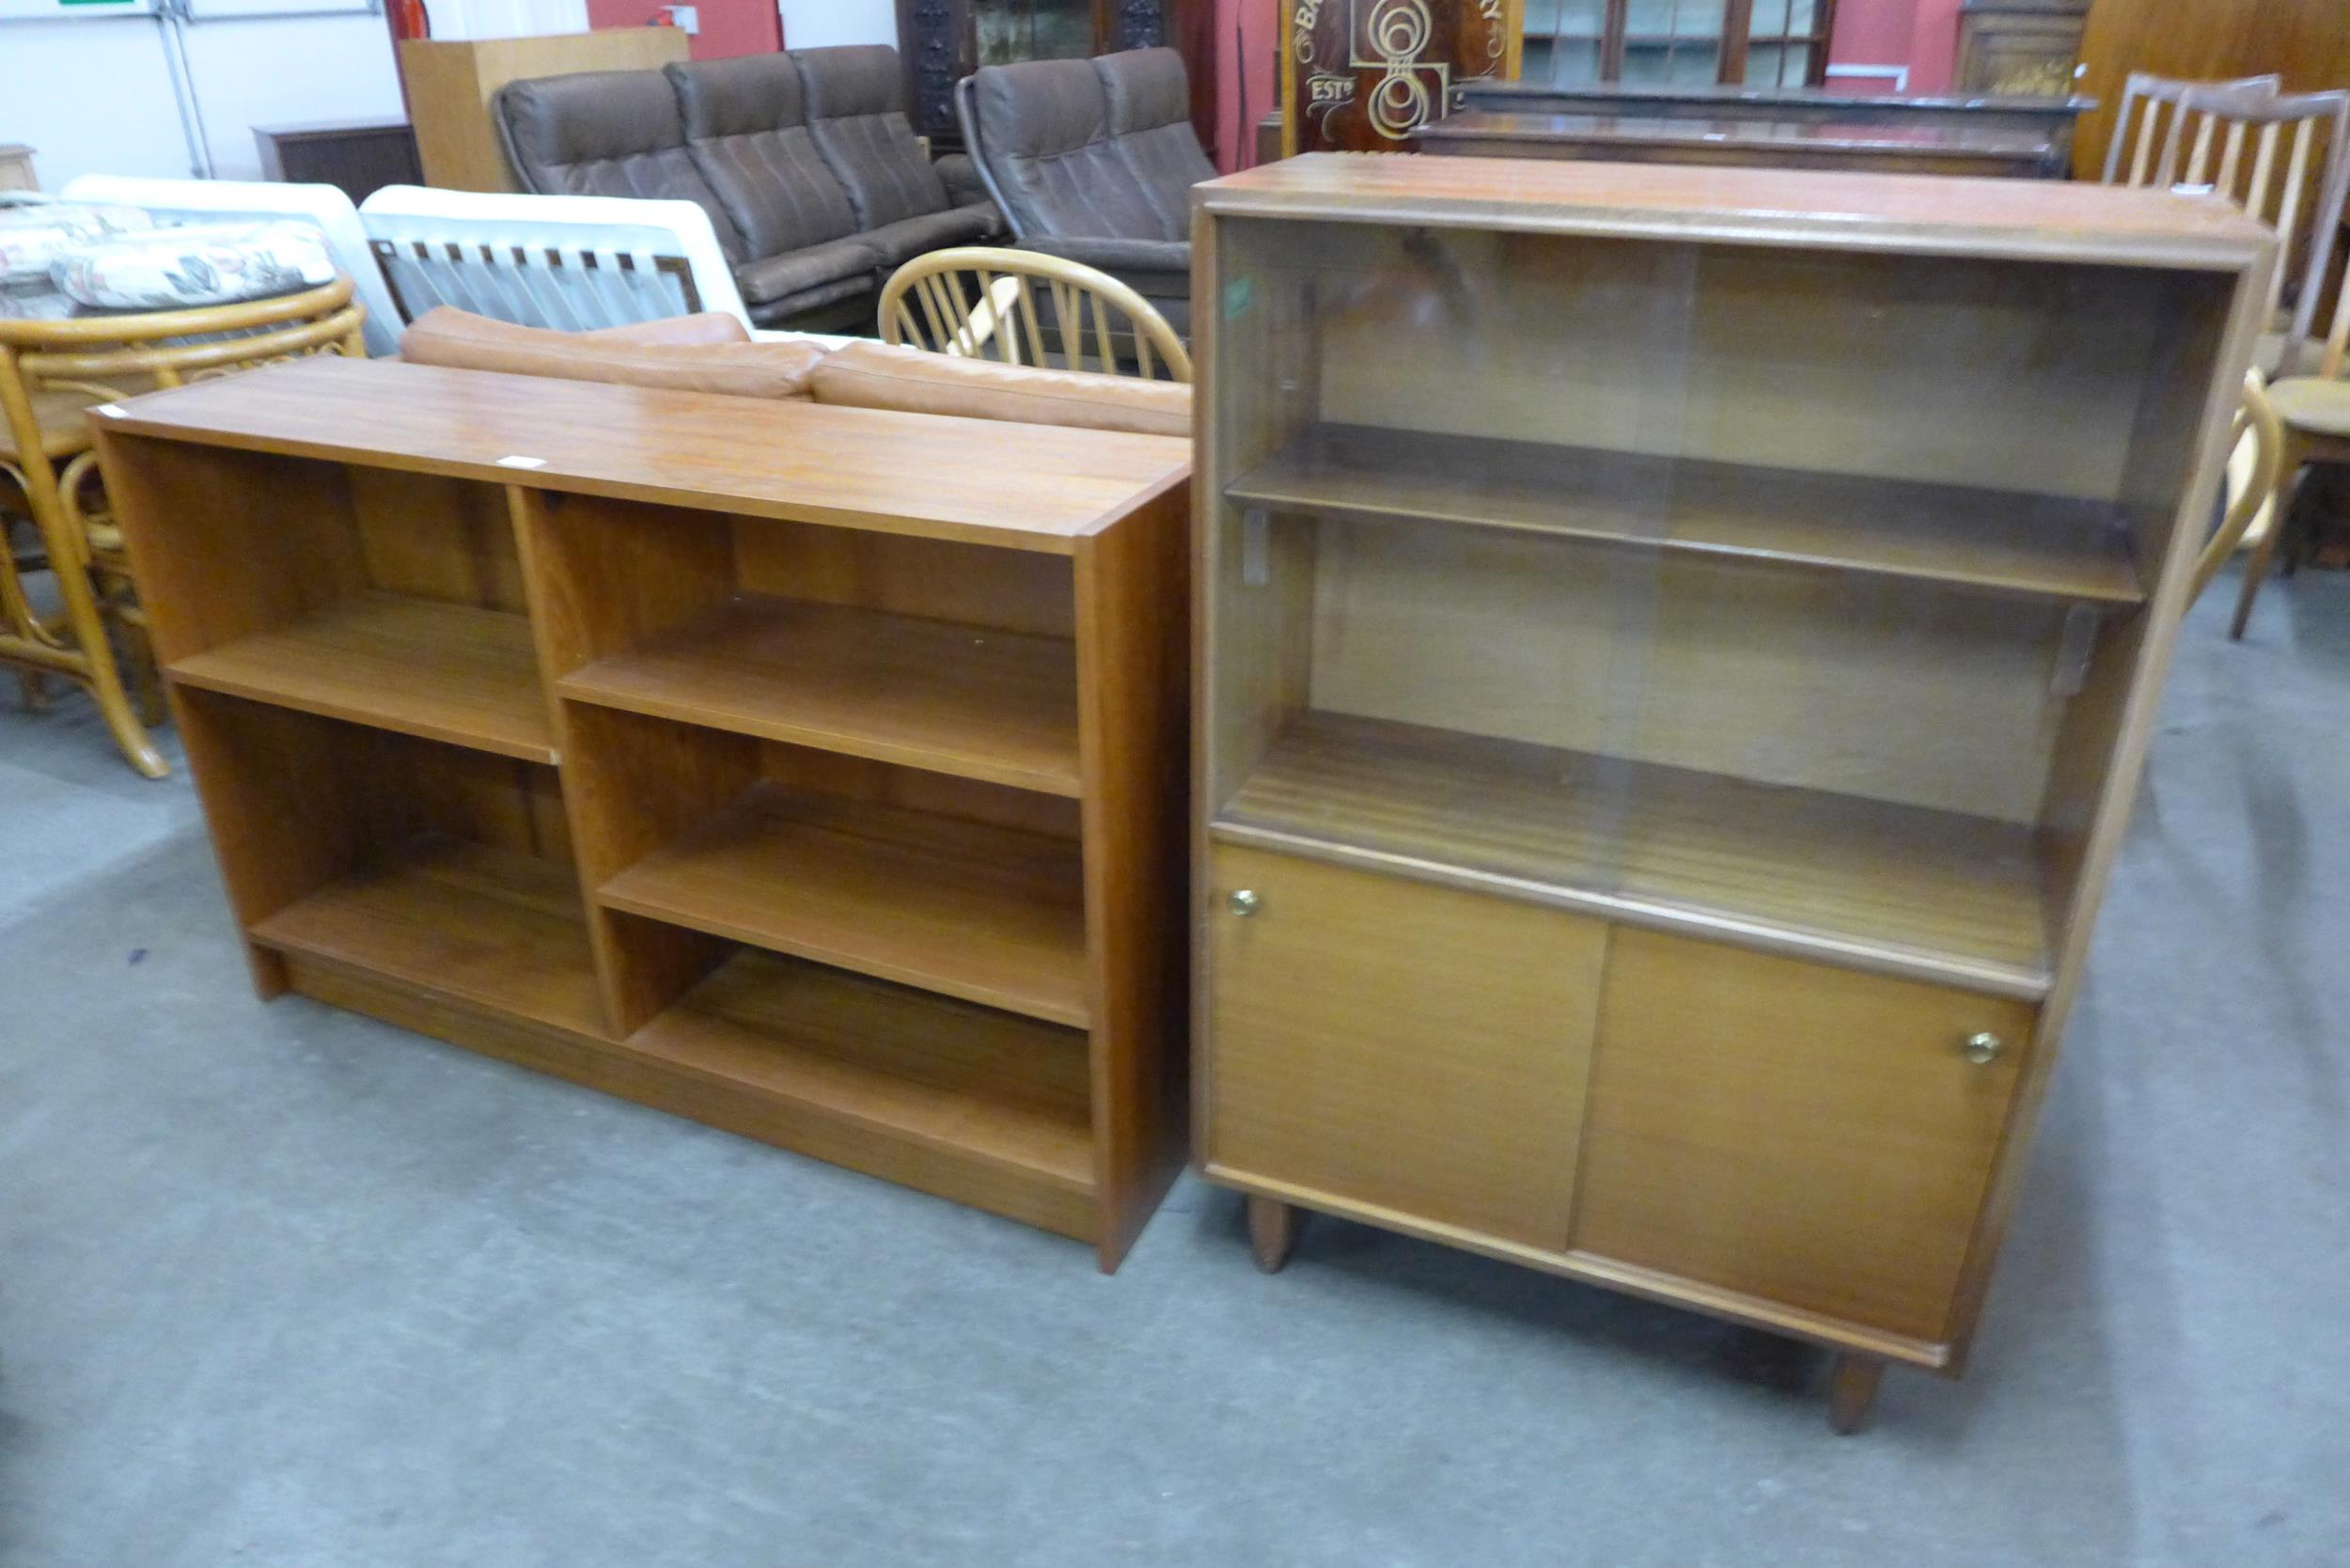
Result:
{"points": [[1676, 652]]}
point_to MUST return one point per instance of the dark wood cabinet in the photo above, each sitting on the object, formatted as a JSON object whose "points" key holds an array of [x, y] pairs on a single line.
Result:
{"points": [[359, 156], [942, 41]]}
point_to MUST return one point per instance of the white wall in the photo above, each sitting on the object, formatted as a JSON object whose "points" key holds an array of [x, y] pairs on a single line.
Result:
{"points": [[271, 71], [822, 23]]}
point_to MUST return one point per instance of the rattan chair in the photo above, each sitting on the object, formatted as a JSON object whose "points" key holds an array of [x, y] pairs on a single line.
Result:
{"points": [[52, 373], [1024, 307]]}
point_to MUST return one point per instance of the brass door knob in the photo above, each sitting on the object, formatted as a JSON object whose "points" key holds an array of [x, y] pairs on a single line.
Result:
{"points": [[1243, 901], [1984, 1047]]}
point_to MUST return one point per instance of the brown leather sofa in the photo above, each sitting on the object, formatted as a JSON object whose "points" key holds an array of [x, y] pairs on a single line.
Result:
{"points": [[814, 181], [1094, 160]]}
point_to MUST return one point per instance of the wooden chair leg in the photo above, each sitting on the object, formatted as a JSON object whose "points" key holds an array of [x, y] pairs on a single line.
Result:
{"points": [[1272, 1230], [88, 628], [2280, 519], [1852, 1391]]}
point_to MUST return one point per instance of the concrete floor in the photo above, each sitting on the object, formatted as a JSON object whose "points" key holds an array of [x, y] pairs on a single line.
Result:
{"points": [[282, 1286]]}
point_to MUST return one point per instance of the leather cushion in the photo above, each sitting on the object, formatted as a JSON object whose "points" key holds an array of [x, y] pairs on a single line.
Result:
{"points": [[606, 133], [857, 112], [792, 306], [911, 237], [1044, 129], [697, 358], [744, 120], [876, 375], [2307, 403], [1150, 99], [796, 272]]}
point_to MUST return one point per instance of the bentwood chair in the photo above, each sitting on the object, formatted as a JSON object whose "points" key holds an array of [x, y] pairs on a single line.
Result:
{"points": [[1026, 308], [52, 374], [2314, 415], [2229, 136], [2255, 462]]}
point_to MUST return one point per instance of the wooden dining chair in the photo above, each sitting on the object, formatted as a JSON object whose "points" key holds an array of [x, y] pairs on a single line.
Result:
{"points": [[1026, 308], [2283, 157], [52, 374], [2313, 415]]}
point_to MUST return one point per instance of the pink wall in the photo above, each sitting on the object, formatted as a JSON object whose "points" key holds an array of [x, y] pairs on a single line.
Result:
{"points": [[1919, 34], [727, 26]]}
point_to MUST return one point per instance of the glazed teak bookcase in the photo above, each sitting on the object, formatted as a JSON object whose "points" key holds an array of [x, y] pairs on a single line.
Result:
{"points": [[1676, 652], [814, 772]]}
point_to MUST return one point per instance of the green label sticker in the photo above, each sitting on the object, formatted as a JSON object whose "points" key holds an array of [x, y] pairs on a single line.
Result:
{"points": [[1239, 295]]}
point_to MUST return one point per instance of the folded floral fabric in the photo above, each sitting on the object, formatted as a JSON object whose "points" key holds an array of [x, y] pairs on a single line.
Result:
{"points": [[176, 269], [34, 236]]}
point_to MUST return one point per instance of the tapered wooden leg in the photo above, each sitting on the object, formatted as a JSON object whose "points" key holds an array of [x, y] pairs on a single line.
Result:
{"points": [[2279, 518], [1272, 1230], [1852, 1391]]}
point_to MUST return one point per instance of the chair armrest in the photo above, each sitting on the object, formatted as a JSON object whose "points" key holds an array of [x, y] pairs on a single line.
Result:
{"points": [[1116, 255], [964, 188]]}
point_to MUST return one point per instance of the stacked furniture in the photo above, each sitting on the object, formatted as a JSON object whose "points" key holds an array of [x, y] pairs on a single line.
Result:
{"points": [[1678, 649], [1094, 160], [812, 771], [815, 184]]}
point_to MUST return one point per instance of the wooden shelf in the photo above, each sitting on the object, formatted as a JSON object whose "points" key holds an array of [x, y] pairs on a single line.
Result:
{"points": [[927, 694], [2004, 540], [446, 672], [495, 930], [991, 915], [1930, 894], [945, 1096]]}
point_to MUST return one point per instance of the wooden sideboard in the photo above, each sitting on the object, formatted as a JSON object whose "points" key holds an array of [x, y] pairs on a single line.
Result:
{"points": [[1985, 152], [813, 772], [1677, 650], [357, 157]]}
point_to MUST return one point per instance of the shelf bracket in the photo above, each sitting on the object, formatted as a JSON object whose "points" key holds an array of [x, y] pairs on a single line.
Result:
{"points": [[2074, 649]]}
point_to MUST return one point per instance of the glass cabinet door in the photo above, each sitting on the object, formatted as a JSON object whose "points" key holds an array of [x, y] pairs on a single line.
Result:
{"points": [[1010, 31]]}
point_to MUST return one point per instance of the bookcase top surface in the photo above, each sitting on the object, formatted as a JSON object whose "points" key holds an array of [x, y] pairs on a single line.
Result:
{"points": [[1031, 487], [2049, 220]]}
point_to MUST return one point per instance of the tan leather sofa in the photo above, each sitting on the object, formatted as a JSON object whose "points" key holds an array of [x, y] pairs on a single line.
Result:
{"points": [[712, 353]]}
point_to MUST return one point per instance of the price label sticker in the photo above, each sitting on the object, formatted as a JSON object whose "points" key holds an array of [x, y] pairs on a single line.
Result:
{"points": [[522, 462]]}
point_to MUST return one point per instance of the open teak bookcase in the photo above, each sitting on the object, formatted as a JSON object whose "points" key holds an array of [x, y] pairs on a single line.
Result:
{"points": [[813, 772], [1677, 649]]}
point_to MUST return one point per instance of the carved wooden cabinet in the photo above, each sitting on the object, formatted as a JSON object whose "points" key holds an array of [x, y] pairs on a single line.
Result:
{"points": [[1677, 650], [2020, 47], [942, 41]]}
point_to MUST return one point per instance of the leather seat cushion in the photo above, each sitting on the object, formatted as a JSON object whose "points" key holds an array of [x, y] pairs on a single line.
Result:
{"points": [[744, 120], [1149, 101], [611, 134], [877, 375], [857, 112], [1044, 129], [908, 238], [2307, 403], [698, 356], [775, 278]]}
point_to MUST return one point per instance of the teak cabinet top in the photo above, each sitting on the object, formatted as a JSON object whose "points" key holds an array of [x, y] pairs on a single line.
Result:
{"points": [[1023, 487], [1817, 208]]}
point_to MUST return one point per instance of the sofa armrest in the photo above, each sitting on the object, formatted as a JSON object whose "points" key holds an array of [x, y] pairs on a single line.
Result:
{"points": [[964, 188], [1116, 257]]}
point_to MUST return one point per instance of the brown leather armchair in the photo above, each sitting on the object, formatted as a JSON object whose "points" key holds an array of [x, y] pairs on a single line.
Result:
{"points": [[1094, 160]]}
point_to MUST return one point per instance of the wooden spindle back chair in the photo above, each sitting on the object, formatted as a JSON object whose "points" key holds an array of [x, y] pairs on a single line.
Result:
{"points": [[2283, 157], [1024, 307], [52, 373]]}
